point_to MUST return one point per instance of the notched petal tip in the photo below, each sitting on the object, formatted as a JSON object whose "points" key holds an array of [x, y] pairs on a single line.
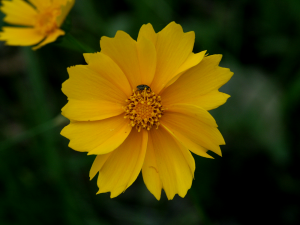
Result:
{"points": [[63, 131], [173, 24], [88, 56], [216, 58], [221, 155], [147, 32], [121, 33], [123, 165]]}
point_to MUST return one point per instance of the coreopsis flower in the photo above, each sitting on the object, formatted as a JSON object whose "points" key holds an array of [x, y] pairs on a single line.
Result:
{"points": [[38, 21], [143, 106]]}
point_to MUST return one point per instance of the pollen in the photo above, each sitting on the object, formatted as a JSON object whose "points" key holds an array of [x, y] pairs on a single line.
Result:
{"points": [[144, 109]]}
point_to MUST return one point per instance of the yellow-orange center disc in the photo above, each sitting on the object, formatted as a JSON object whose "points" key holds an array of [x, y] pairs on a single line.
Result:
{"points": [[144, 109], [46, 20]]}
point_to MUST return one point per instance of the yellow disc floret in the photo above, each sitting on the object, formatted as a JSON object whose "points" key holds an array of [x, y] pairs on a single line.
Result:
{"points": [[46, 20], [144, 109]]}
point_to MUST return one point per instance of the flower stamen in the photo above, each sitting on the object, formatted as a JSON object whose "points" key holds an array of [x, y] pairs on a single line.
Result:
{"points": [[143, 109]]}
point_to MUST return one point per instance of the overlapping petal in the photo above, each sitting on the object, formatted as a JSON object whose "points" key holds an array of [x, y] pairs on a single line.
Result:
{"points": [[50, 38], [210, 100], [91, 96], [204, 78], [147, 60], [123, 50], [191, 61], [60, 2], [120, 168], [174, 164], [97, 137], [40, 4], [90, 110], [107, 68], [194, 127], [147, 32], [18, 12], [174, 53], [173, 47], [30, 36], [150, 172]]}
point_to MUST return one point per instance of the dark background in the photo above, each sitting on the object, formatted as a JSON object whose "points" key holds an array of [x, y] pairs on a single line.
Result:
{"points": [[42, 181]]}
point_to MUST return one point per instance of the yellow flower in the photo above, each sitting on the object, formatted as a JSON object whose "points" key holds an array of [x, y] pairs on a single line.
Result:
{"points": [[151, 128], [40, 20]]}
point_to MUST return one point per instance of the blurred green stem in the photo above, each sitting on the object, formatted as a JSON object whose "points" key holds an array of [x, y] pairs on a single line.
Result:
{"points": [[70, 42], [57, 121]]}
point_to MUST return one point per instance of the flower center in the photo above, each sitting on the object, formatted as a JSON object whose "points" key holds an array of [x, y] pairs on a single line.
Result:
{"points": [[144, 109], [46, 20]]}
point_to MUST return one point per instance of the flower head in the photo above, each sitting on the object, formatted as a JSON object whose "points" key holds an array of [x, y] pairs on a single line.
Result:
{"points": [[142, 105], [39, 21]]}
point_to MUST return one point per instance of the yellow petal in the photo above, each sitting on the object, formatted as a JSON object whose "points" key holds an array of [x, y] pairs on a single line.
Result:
{"points": [[18, 12], [87, 136], [210, 100], [87, 85], [109, 70], [147, 32], [123, 165], [50, 38], [188, 143], [191, 61], [123, 50], [67, 5], [89, 56], [201, 79], [98, 164], [20, 36], [41, 4], [147, 60], [175, 164], [193, 124], [91, 110], [173, 47], [59, 2], [150, 172], [194, 112], [113, 142]]}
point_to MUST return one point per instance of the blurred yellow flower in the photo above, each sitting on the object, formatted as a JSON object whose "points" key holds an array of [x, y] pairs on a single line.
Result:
{"points": [[40, 21], [142, 105]]}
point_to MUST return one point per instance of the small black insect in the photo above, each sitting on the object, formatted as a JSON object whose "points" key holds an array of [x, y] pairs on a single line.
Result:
{"points": [[142, 87]]}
